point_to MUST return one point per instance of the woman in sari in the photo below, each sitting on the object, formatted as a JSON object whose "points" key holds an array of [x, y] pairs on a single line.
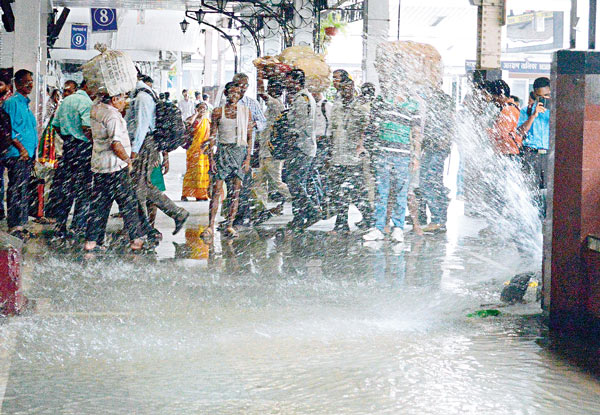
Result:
{"points": [[196, 181]]}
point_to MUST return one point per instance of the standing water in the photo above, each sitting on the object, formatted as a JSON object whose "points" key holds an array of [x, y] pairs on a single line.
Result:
{"points": [[317, 324]]}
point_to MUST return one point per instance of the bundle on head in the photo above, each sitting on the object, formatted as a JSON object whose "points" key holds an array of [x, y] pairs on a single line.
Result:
{"points": [[112, 72], [314, 66], [407, 64]]}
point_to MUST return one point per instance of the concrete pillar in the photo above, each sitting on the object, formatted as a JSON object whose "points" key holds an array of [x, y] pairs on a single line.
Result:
{"points": [[208, 58], [247, 55], [490, 19], [179, 76], [222, 47], [164, 80], [273, 38], [571, 284], [31, 17], [376, 30], [304, 23]]}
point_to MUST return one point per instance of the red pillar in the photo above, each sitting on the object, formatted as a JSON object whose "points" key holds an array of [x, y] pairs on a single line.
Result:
{"points": [[571, 294]]}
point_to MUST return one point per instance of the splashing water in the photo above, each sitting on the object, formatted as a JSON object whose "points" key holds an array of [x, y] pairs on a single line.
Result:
{"points": [[496, 186]]}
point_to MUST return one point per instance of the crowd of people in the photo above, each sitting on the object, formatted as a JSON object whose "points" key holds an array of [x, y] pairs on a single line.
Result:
{"points": [[383, 153]]}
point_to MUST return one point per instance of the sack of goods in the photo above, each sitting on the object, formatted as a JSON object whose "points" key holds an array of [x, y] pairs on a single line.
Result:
{"points": [[407, 62], [112, 72], [315, 68]]}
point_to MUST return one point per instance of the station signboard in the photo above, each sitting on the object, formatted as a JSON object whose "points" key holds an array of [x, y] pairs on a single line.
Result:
{"points": [[79, 36], [104, 20], [517, 67]]}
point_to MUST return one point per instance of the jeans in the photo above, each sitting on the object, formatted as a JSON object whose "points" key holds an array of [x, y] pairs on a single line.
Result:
{"points": [[391, 169], [107, 188], [349, 187], [17, 193], [432, 184], [72, 183], [304, 207], [535, 166]]}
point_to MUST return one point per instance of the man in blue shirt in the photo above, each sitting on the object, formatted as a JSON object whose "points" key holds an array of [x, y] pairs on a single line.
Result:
{"points": [[18, 159], [5, 129], [73, 177], [534, 125]]}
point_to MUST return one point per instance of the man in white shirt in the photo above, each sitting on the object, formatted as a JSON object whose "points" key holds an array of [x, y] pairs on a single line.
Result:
{"points": [[259, 122], [110, 165], [186, 106], [270, 170], [301, 118]]}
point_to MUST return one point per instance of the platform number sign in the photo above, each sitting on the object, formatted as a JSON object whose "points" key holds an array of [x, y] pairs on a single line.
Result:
{"points": [[79, 36], [104, 20]]}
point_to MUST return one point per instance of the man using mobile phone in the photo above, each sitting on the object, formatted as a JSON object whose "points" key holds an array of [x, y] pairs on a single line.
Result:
{"points": [[534, 125]]}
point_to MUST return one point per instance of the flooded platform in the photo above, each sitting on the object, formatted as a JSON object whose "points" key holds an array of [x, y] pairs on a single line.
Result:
{"points": [[316, 324]]}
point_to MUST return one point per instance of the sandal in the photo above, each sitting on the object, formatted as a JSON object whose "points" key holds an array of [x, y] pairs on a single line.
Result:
{"points": [[231, 232], [207, 233], [29, 235], [44, 220], [95, 250], [136, 249], [20, 234]]}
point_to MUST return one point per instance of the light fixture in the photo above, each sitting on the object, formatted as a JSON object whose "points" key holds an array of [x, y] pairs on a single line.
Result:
{"points": [[221, 4], [184, 25], [200, 16]]}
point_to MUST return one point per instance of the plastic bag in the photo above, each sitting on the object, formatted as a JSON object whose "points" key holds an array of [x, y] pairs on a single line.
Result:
{"points": [[111, 72]]}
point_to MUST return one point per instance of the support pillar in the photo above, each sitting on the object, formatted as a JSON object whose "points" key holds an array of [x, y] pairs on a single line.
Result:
{"points": [[376, 30], [31, 17], [208, 77], [221, 50], [571, 290], [304, 23], [247, 55], [273, 38]]}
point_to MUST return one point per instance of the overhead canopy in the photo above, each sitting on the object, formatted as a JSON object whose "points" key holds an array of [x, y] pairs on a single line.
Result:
{"points": [[143, 34], [132, 4]]}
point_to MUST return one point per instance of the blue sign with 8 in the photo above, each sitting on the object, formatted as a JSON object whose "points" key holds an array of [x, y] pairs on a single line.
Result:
{"points": [[104, 20]]}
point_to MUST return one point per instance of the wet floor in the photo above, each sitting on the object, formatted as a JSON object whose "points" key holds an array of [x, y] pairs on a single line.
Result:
{"points": [[273, 325]]}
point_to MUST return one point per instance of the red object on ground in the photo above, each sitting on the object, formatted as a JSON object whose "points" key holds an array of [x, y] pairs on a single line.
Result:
{"points": [[12, 300], [331, 31], [40, 205]]}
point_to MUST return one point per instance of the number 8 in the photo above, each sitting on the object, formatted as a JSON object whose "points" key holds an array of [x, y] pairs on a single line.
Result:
{"points": [[104, 16]]}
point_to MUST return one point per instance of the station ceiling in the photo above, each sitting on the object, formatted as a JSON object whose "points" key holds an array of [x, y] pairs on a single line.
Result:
{"points": [[134, 4], [131, 4]]}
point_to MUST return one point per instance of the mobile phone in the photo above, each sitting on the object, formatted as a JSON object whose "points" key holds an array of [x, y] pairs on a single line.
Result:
{"points": [[544, 101]]}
